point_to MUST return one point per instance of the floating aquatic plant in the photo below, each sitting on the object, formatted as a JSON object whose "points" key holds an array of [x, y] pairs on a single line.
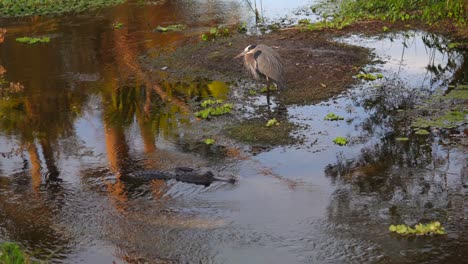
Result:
{"points": [[369, 76], [209, 141], [213, 108], [118, 25], [29, 40], [340, 141], [215, 33], [333, 117], [209, 102], [401, 139], [432, 228], [272, 122]]}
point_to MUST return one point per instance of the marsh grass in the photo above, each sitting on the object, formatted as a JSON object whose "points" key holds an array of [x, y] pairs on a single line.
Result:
{"points": [[11, 253], [16, 8]]}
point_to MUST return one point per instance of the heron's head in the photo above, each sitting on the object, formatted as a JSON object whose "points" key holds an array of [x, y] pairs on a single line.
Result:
{"points": [[248, 49]]}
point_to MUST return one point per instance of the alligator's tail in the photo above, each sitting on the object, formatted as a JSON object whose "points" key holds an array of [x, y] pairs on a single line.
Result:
{"points": [[230, 180]]}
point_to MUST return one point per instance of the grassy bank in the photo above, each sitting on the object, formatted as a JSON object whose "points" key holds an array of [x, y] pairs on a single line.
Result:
{"points": [[449, 15], [15, 8]]}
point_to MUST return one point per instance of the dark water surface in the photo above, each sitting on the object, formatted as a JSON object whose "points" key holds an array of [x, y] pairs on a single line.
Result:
{"points": [[89, 111]]}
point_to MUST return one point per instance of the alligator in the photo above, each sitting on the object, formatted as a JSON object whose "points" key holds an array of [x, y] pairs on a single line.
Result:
{"points": [[182, 174]]}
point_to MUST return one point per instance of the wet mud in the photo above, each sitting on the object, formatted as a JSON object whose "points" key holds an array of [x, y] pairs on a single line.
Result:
{"points": [[316, 67]]}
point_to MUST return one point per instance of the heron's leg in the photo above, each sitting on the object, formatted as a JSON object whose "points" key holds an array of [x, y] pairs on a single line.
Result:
{"points": [[268, 90]]}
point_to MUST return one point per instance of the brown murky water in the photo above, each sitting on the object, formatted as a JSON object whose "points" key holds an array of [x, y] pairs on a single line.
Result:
{"points": [[86, 110]]}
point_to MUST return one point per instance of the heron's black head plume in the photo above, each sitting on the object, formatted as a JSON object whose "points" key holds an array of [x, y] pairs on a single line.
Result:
{"points": [[250, 47]]}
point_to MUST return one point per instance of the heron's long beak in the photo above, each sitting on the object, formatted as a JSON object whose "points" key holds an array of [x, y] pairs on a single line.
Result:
{"points": [[240, 55]]}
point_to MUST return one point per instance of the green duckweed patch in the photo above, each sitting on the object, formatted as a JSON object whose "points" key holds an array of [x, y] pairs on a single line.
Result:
{"points": [[19, 8], [333, 117], [340, 141], [432, 228], [177, 27], [33, 40]]}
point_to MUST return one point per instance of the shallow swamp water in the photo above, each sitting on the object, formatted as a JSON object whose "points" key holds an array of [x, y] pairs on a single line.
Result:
{"points": [[87, 107]]}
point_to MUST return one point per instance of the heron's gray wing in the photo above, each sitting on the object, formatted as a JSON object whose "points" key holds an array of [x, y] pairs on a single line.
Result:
{"points": [[270, 64]]}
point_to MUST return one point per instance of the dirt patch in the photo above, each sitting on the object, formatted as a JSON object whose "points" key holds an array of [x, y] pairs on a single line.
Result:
{"points": [[316, 67], [255, 132]]}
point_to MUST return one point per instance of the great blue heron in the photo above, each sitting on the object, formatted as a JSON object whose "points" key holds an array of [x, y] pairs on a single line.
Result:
{"points": [[264, 62]]}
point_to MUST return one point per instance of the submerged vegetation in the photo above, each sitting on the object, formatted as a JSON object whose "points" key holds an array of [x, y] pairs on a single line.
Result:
{"points": [[36, 7], [432, 228]]}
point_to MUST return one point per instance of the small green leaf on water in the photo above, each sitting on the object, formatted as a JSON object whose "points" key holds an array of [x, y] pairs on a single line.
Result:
{"points": [[33, 40], [379, 76], [340, 141], [118, 25], [252, 92], [209, 141], [421, 132], [333, 117], [272, 122], [204, 37], [401, 139], [213, 30]]}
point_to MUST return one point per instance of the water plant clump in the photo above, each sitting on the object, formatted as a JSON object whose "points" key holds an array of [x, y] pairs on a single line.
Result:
{"points": [[34, 7], [432, 228], [177, 27], [340, 141], [333, 117], [213, 108], [33, 40]]}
